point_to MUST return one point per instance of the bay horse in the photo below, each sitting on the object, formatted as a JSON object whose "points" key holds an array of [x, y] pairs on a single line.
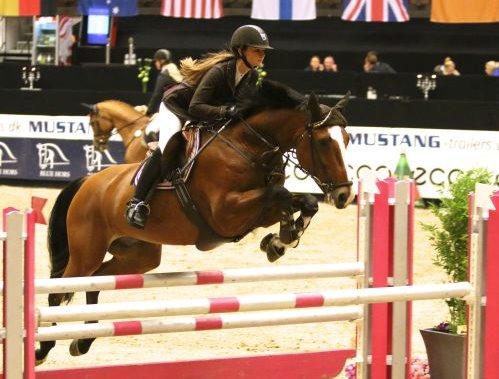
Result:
{"points": [[236, 184], [113, 116]]}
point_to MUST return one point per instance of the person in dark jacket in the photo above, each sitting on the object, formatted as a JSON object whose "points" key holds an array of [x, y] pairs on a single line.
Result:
{"points": [[162, 62], [373, 65], [210, 91]]}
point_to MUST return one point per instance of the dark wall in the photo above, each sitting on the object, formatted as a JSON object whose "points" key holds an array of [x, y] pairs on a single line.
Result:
{"points": [[416, 46]]}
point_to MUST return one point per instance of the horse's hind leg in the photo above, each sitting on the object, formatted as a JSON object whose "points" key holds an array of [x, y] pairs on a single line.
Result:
{"points": [[129, 257]]}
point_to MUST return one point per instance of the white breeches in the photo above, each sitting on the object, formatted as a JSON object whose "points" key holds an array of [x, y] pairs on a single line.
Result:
{"points": [[166, 123]]}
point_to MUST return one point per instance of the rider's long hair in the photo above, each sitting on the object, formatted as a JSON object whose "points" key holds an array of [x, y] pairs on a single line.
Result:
{"points": [[194, 69]]}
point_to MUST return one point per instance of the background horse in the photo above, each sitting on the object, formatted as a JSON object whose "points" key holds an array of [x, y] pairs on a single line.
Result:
{"points": [[113, 116], [236, 184]]}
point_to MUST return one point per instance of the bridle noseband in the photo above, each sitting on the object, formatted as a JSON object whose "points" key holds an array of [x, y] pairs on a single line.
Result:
{"points": [[103, 137]]}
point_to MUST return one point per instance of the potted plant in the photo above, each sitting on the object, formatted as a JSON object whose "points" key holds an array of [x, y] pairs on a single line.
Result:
{"points": [[445, 343]]}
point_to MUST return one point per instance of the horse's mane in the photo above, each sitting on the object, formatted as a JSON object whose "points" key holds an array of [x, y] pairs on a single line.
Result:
{"points": [[119, 106], [270, 95]]}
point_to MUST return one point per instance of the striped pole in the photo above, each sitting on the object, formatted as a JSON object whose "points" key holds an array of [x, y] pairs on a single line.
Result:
{"points": [[190, 278], [186, 324], [251, 303]]}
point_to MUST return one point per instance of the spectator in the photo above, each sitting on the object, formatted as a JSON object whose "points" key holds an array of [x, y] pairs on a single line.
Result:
{"points": [[373, 65], [450, 68], [492, 68], [447, 68], [330, 64], [168, 75], [315, 64]]}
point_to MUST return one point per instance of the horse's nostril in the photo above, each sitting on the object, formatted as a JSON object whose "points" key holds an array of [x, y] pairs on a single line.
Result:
{"points": [[342, 198]]}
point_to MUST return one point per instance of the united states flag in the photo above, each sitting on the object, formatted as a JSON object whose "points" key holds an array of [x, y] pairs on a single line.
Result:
{"points": [[375, 10], [192, 8]]}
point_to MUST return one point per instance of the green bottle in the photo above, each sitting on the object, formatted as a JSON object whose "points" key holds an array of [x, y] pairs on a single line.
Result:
{"points": [[403, 171]]}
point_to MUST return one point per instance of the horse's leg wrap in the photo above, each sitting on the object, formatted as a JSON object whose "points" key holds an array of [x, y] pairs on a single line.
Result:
{"points": [[275, 245], [308, 206]]}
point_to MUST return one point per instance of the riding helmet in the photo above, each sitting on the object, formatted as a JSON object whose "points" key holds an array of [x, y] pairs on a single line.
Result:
{"points": [[162, 55], [249, 35]]}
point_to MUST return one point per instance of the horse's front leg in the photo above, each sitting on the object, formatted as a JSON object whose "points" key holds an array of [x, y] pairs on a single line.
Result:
{"points": [[290, 230]]}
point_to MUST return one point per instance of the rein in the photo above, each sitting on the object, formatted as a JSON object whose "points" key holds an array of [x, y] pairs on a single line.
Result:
{"points": [[274, 148], [115, 131]]}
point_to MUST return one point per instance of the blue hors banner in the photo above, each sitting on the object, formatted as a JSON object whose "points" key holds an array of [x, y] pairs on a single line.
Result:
{"points": [[55, 148], [59, 148]]}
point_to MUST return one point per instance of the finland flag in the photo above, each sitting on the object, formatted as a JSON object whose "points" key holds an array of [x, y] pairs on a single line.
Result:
{"points": [[283, 9]]}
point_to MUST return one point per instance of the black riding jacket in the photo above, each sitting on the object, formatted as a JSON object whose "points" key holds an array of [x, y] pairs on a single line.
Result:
{"points": [[217, 91], [163, 81]]}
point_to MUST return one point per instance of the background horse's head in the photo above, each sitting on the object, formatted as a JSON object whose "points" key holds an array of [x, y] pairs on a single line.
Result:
{"points": [[107, 116], [321, 150]]}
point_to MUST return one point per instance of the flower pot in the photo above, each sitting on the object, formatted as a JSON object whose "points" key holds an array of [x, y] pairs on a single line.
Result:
{"points": [[446, 354]]}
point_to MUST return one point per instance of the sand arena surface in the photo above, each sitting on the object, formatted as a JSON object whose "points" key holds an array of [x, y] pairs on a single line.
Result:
{"points": [[329, 239]]}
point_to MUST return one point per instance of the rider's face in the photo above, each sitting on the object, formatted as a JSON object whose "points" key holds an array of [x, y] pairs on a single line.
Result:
{"points": [[255, 56]]}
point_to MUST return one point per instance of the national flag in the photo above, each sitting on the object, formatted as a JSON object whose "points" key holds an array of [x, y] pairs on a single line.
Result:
{"points": [[65, 40], [375, 10], [28, 7], [192, 8], [283, 9], [113, 7], [465, 11]]}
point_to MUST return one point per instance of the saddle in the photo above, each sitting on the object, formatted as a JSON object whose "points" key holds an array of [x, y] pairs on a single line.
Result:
{"points": [[192, 138]]}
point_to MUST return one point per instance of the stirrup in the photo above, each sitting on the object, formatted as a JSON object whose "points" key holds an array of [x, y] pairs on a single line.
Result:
{"points": [[140, 206]]}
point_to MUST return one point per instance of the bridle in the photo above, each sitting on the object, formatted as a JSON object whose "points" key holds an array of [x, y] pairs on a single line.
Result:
{"points": [[274, 148], [102, 137]]}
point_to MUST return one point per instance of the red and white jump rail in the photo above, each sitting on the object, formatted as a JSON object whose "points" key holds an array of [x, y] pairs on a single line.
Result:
{"points": [[385, 244], [191, 278]]}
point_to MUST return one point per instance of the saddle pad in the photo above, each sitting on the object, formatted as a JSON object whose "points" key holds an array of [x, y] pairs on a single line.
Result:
{"points": [[192, 137]]}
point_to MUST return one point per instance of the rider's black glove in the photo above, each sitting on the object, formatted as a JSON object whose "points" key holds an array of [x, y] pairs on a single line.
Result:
{"points": [[230, 111]]}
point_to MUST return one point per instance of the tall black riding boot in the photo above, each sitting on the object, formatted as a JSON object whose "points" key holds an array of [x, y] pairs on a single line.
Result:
{"points": [[138, 209]]}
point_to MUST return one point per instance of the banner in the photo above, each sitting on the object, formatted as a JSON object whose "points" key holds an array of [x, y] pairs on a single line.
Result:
{"points": [[54, 148], [192, 8], [465, 11], [375, 10], [28, 8], [436, 156], [60, 148], [113, 7], [283, 9]]}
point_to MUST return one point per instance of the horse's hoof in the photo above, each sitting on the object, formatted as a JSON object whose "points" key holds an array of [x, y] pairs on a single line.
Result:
{"points": [[268, 246], [265, 242], [39, 361], [73, 349]]}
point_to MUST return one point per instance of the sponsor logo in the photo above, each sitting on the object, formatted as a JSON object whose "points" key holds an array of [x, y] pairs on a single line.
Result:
{"points": [[395, 139], [49, 156], [6, 154], [6, 157], [95, 159], [60, 127]]}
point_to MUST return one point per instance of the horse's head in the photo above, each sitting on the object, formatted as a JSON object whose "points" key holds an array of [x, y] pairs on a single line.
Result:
{"points": [[101, 124], [321, 150]]}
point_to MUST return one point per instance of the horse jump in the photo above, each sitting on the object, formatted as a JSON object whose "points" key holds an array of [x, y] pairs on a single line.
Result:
{"points": [[385, 273]]}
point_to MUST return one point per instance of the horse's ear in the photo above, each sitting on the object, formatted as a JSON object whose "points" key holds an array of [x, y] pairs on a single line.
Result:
{"points": [[314, 107], [92, 107], [340, 105]]}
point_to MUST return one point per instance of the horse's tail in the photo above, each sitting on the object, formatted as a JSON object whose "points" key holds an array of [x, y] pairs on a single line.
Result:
{"points": [[57, 233]]}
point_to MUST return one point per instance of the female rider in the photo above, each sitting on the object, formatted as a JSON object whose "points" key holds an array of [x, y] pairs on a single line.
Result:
{"points": [[210, 91]]}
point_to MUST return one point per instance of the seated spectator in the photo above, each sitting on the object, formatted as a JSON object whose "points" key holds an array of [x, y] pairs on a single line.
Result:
{"points": [[330, 64], [373, 65], [492, 68], [447, 68], [315, 64], [450, 68]]}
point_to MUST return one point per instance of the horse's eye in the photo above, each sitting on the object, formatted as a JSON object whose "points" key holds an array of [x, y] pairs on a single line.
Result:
{"points": [[324, 142]]}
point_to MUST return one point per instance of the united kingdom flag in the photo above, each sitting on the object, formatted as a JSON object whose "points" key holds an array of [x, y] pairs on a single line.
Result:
{"points": [[375, 10]]}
